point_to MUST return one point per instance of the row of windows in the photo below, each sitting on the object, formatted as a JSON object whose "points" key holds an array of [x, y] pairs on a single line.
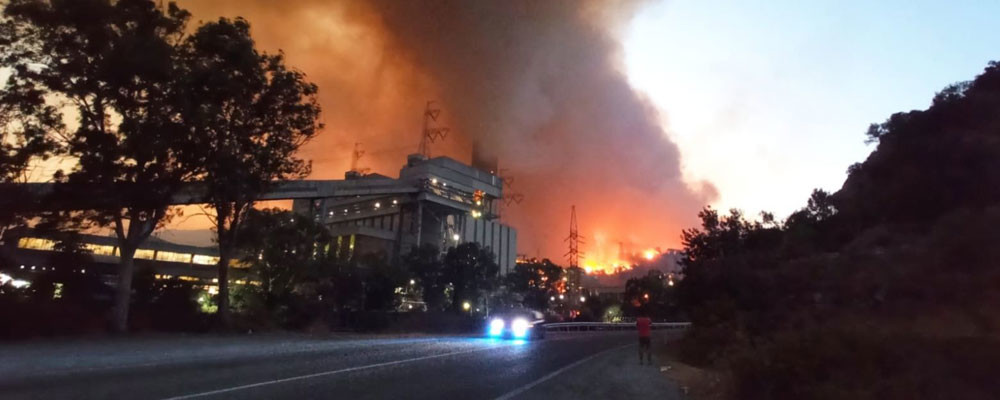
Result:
{"points": [[34, 243], [196, 279], [386, 222], [357, 207]]}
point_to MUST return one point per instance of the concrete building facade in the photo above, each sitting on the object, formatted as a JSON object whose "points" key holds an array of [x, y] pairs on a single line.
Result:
{"points": [[437, 201]]}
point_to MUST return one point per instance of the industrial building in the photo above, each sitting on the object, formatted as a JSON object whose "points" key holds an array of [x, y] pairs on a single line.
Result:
{"points": [[437, 201], [27, 253]]}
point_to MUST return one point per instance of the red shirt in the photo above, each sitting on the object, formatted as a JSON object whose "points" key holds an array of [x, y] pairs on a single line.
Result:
{"points": [[643, 325]]}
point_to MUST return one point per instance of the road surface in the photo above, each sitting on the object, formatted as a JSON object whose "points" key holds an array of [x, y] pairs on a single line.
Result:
{"points": [[564, 366]]}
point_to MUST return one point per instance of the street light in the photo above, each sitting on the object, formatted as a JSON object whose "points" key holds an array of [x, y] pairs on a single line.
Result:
{"points": [[552, 298], [561, 297], [413, 282], [583, 299], [456, 237], [466, 306]]}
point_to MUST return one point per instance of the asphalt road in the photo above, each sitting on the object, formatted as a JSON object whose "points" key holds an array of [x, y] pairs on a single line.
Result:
{"points": [[577, 366]]}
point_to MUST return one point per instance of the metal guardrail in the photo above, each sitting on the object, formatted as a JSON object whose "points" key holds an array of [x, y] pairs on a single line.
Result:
{"points": [[609, 326]]}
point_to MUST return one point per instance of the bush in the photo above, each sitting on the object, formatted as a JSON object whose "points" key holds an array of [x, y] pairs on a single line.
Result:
{"points": [[865, 363]]}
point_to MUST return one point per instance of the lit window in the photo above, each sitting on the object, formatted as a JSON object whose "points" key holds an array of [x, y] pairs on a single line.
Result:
{"points": [[173, 257], [205, 260], [145, 254], [36, 243], [100, 250]]}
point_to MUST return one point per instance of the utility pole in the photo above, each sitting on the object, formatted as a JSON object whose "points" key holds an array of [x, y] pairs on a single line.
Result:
{"points": [[574, 239]]}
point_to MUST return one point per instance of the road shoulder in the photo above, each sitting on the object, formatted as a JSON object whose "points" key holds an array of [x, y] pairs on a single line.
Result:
{"points": [[615, 374], [694, 383]]}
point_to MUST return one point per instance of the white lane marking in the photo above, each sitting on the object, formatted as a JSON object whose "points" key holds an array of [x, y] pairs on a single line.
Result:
{"points": [[522, 389], [325, 373]]}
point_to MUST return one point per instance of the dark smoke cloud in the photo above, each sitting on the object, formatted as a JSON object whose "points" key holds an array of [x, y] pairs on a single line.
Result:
{"points": [[537, 83]]}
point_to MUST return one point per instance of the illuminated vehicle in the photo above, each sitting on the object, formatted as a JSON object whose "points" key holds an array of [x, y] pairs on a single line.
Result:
{"points": [[516, 324]]}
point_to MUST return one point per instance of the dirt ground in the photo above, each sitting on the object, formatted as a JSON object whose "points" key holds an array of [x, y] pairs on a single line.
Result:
{"points": [[695, 383]]}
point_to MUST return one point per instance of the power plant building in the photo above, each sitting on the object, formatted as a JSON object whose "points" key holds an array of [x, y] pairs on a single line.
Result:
{"points": [[437, 201]]}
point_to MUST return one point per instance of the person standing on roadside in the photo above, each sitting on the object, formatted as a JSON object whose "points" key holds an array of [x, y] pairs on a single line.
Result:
{"points": [[644, 326]]}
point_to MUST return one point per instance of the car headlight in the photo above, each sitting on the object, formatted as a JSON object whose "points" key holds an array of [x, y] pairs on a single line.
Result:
{"points": [[496, 327], [520, 327]]}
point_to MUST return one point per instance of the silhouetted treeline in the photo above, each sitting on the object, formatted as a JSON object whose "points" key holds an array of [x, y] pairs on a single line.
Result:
{"points": [[886, 288]]}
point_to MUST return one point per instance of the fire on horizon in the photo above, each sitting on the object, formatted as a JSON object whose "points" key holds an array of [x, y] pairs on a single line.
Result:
{"points": [[536, 84]]}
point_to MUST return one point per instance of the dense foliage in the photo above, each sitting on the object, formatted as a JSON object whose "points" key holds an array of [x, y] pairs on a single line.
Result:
{"points": [[156, 108], [535, 283], [114, 64], [884, 289], [247, 114]]}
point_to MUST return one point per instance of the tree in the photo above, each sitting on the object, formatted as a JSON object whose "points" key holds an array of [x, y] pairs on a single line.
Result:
{"points": [[282, 251], [249, 114], [929, 162], [381, 279], [424, 263], [651, 294], [535, 282], [29, 126], [471, 272], [115, 63]]}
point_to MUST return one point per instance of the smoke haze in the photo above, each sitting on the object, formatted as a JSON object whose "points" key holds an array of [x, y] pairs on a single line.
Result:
{"points": [[537, 84]]}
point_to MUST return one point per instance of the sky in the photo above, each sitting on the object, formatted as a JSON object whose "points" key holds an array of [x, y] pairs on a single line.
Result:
{"points": [[770, 99], [637, 112]]}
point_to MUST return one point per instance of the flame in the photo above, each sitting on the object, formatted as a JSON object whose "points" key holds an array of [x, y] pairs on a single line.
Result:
{"points": [[594, 266], [597, 260], [393, 56]]}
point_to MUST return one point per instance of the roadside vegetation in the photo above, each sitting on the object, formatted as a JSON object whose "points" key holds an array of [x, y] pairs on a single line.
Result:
{"points": [[886, 288]]}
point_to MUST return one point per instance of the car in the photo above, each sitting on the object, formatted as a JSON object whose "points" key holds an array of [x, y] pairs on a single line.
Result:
{"points": [[516, 324]]}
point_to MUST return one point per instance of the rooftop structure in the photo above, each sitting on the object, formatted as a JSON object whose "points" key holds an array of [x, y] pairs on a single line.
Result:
{"points": [[437, 201]]}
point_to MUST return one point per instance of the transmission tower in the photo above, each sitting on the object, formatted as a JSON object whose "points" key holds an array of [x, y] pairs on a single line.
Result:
{"points": [[355, 157], [431, 131], [574, 239], [510, 197]]}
